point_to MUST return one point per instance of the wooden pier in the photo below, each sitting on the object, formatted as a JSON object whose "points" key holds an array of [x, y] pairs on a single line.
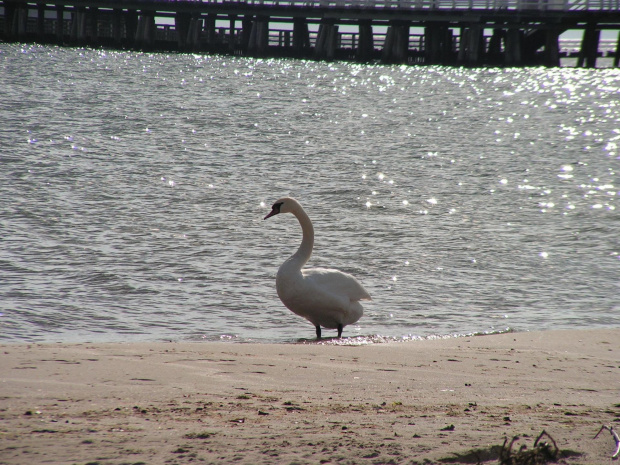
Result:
{"points": [[446, 32]]}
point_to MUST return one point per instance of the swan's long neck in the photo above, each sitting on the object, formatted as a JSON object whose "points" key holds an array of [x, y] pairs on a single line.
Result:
{"points": [[307, 243]]}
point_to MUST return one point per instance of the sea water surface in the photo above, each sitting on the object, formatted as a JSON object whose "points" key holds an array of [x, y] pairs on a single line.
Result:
{"points": [[133, 188]]}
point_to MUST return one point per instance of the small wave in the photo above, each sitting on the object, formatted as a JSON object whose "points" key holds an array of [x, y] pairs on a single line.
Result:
{"points": [[379, 339]]}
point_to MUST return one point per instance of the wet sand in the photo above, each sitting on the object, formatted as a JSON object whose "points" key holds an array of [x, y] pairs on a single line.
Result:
{"points": [[394, 403]]}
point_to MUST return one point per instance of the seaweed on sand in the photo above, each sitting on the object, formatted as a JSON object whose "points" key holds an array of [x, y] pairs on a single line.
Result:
{"points": [[543, 452]]}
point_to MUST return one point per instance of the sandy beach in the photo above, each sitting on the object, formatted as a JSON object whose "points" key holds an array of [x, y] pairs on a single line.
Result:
{"points": [[431, 401]]}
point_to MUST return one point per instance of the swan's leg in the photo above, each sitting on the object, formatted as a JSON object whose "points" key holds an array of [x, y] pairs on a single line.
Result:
{"points": [[318, 332], [340, 331]]}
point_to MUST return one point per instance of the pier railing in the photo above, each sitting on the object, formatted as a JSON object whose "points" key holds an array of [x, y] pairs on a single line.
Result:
{"points": [[485, 5]]}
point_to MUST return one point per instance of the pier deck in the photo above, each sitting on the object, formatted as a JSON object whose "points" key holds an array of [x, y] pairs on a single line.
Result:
{"points": [[448, 32]]}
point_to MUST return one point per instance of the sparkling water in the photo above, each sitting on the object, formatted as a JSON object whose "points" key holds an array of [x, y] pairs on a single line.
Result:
{"points": [[133, 187]]}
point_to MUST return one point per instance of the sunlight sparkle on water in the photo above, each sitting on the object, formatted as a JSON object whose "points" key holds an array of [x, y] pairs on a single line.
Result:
{"points": [[549, 138]]}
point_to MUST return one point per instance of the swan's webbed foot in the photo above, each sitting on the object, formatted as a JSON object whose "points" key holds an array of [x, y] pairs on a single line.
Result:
{"points": [[318, 332], [340, 331]]}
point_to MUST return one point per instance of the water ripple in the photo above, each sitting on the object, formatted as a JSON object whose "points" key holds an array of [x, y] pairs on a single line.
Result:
{"points": [[466, 200]]}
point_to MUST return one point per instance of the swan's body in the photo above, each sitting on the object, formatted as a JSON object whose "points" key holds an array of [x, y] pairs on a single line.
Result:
{"points": [[325, 297]]}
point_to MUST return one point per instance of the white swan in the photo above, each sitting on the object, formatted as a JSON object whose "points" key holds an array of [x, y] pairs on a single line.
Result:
{"points": [[327, 298]]}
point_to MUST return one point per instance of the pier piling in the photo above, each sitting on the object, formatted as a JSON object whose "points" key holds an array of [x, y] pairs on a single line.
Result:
{"points": [[396, 45], [365, 44], [589, 46], [512, 49], [617, 54], [60, 24]]}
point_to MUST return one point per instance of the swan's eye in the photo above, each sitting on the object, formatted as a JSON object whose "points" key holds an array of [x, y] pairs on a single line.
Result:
{"points": [[276, 206]]}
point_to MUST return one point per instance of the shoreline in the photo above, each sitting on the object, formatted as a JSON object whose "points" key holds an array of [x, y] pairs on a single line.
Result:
{"points": [[420, 401], [329, 338]]}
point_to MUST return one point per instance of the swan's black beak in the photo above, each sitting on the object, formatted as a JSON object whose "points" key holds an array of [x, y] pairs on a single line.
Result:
{"points": [[274, 210], [272, 213]]}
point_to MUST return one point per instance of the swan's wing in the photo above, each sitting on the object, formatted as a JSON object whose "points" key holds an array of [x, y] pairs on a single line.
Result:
{"points": [[336, 283]]}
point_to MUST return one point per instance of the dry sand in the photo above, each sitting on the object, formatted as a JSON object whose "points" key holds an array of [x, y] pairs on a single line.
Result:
{"points": [[394, 403]]}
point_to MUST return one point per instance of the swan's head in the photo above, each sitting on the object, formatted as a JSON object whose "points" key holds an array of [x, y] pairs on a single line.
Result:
{"points": [[283, 205]]}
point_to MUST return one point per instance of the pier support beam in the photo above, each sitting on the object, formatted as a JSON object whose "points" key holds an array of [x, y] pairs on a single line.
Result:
{"points": [[388, 45], [60, 24], [494, 53], [396, 46], [131, 26], [9, 13], [210, 31], [333, 42], [262, 42], [181, 25], [247, 23], [552, 47], [449, 51], [194, 32], [145, 32], [365, 45], [41, 22], [301, 37], [476, 45], [326, 40], [589, 47], [320, 41], [438, 44], [15, 21], [92, 18], [463, 38], [617, 54], [471, 47], [231, 34], [259, 37], [19, 22], [287, 39], [78, 26], [116, 27], [512, 47]]}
